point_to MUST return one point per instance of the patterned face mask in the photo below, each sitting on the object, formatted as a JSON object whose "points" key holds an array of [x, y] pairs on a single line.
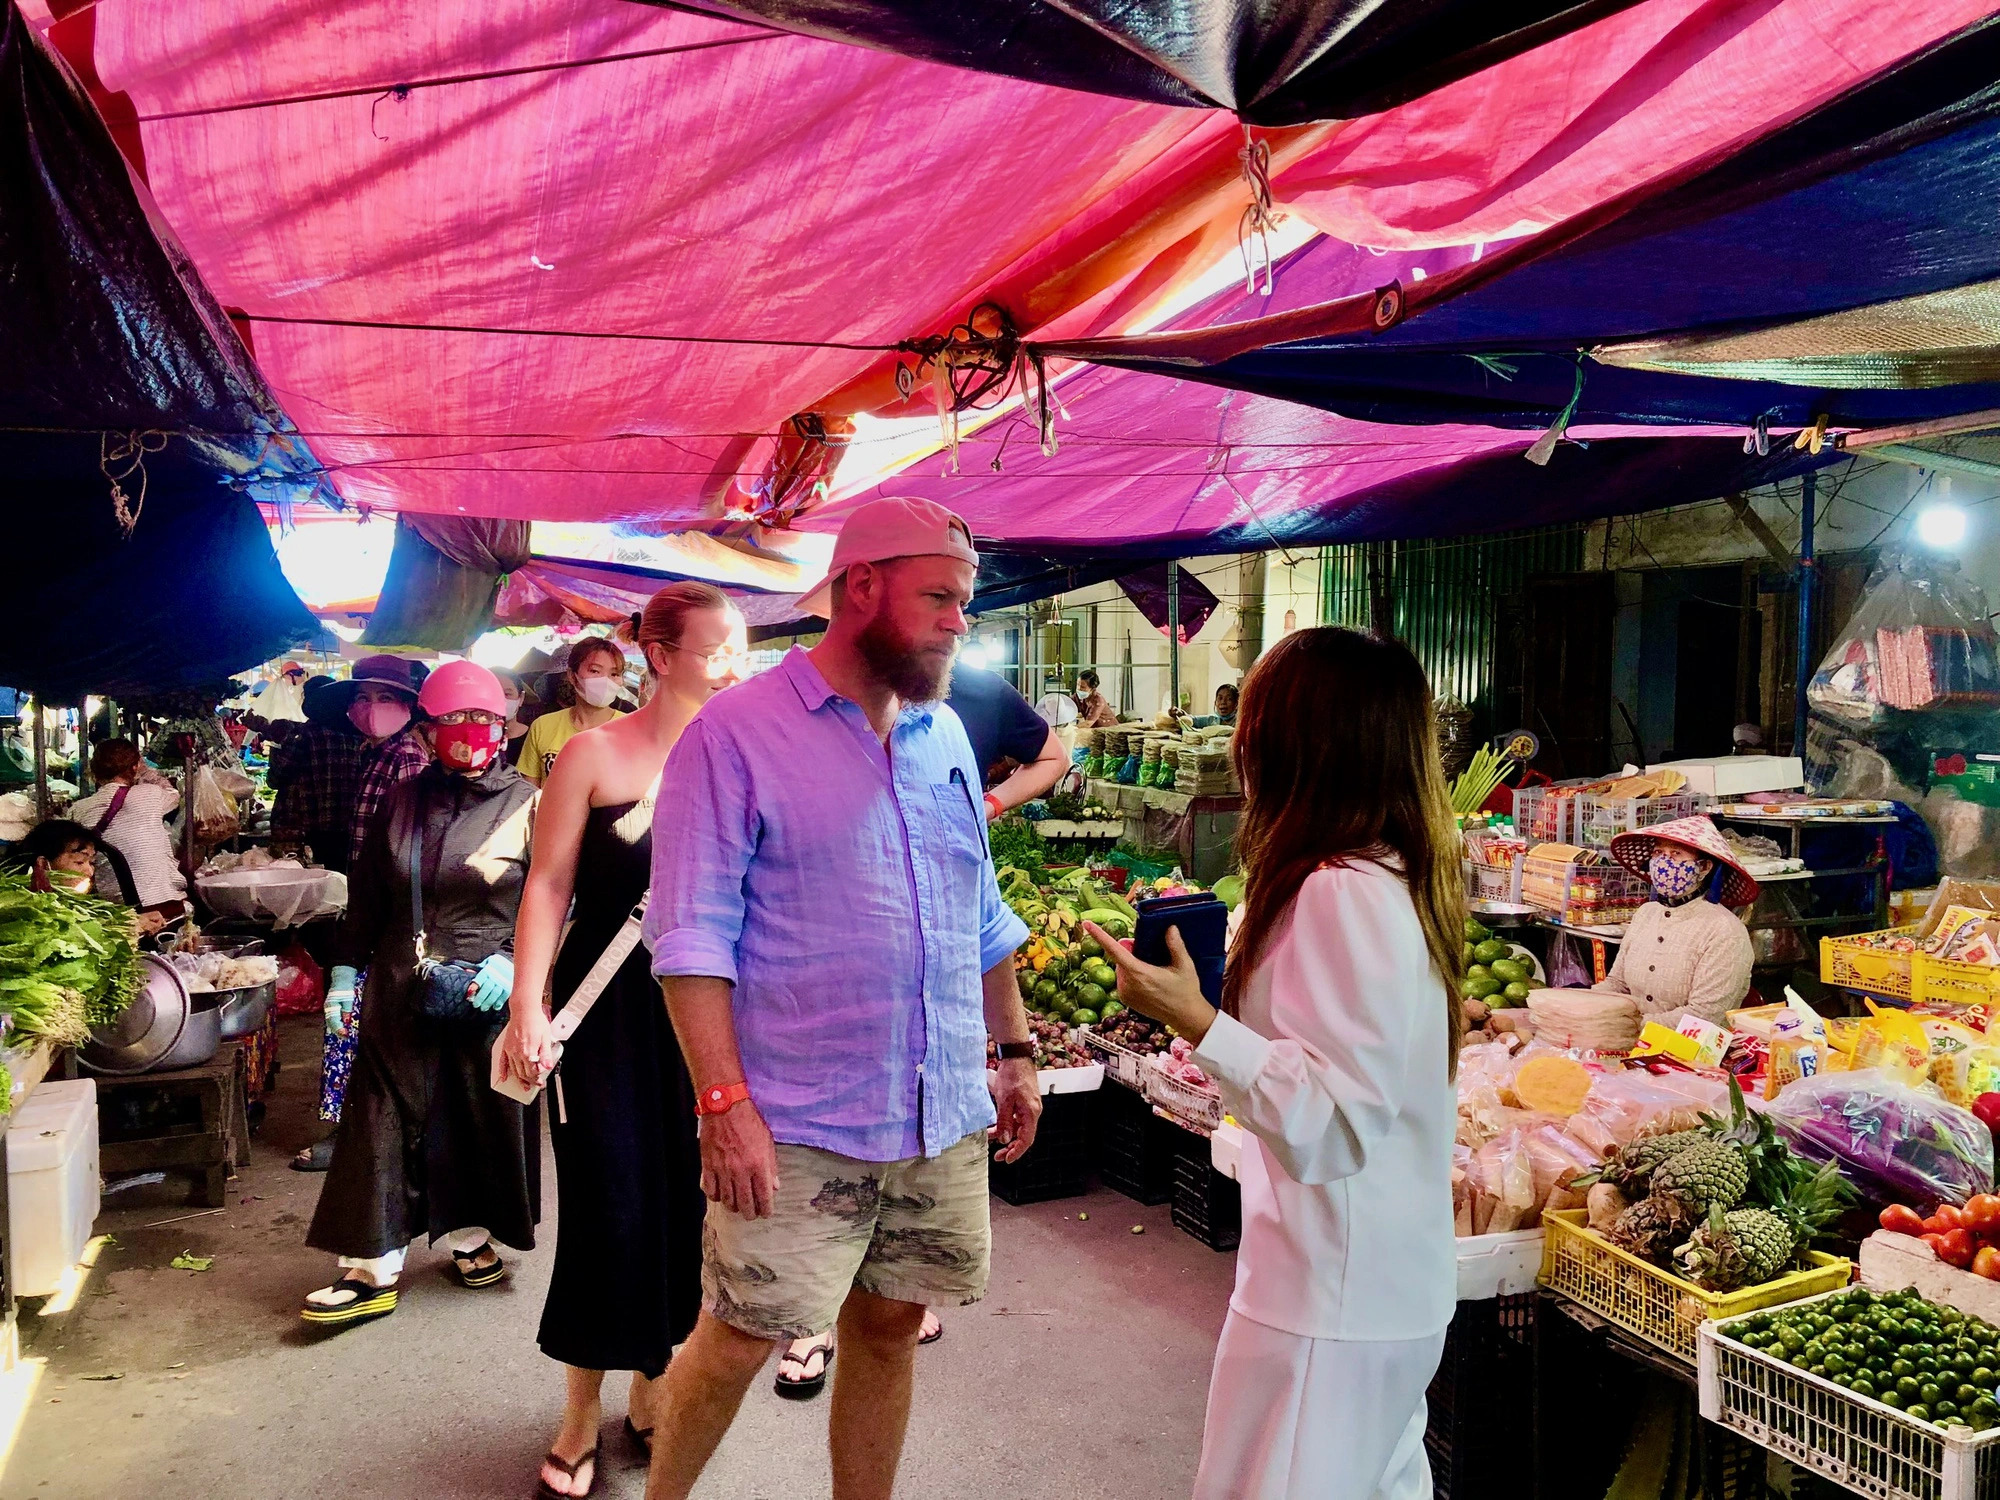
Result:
{"points": [[1678, 875]]}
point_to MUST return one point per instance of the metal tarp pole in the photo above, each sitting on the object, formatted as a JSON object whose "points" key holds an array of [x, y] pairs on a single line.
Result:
{"points": [[41, 741], [1174, 635], [1807, 574]]}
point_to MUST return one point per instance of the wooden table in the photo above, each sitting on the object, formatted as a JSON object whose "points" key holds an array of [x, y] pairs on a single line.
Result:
{"points": [[193, 1120]]}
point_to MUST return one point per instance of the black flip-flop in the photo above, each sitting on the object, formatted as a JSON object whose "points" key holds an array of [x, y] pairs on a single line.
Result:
{"points": [[473, 1276], [932, 1338], [807, 1387], [318, 1157], [544, 1492], [642, 1437], [369, 1302]]}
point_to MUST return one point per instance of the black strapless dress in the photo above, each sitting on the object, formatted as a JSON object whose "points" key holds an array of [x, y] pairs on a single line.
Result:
{"points": [[627, 1279]]}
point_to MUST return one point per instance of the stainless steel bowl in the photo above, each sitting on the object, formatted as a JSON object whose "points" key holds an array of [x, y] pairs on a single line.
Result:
{"points": [[244, 1010], [148, 1029], [200, 1038]]}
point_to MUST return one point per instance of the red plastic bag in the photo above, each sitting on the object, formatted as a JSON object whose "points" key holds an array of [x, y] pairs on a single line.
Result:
{"points": [[301, 983]]}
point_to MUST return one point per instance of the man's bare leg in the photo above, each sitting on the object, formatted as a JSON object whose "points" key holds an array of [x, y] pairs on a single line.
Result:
{"points": [[871, 1393], [698, 1399]]}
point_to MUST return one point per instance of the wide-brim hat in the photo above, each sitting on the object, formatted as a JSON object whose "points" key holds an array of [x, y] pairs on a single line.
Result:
{"points": [[1634, 850], [388, 671]]}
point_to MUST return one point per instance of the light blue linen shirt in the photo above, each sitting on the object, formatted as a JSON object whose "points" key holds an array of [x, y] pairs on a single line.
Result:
{"points": [[847, 891]]}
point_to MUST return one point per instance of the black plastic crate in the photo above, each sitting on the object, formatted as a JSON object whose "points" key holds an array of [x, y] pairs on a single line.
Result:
{"points": [[1207, 1205], [1058, 1164], [1135, 1147], [1482, 1402]]}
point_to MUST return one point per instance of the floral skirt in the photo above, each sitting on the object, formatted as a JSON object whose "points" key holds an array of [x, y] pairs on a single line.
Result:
{"points": [[337, 1060]]}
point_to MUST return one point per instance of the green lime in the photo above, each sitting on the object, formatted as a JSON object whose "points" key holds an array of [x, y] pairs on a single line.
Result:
{"points": [[1474, 933], [1518, 993], [1489, 951], [1111, 1008], [1083, 1015], [1090, 996]]}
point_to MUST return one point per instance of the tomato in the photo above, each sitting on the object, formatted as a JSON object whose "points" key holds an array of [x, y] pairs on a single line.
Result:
{"points": [[1982, 1213], [1948, 1217], [1899, 1218], [1987, 1107], [1936, 1242], [1987, 1263], [1958, 1248]]}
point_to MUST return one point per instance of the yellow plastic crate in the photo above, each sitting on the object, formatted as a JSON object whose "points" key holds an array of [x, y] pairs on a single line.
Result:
{"points": [[1580, 1264], [1847, 962], [1947, 980]]}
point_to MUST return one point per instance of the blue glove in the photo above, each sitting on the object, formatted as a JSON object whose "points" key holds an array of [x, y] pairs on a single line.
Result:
{"points": [[339, 1006], [492, 984]]}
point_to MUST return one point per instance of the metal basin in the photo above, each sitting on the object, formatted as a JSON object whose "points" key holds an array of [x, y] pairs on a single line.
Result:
{"points": [[244, 1010], [201, 1036], [163, 1027]]}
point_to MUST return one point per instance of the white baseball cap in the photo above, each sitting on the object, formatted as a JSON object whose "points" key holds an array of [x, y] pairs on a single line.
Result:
{"points": [[894, 526]]}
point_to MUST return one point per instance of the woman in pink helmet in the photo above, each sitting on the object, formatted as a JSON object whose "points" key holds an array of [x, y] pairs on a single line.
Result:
{"points": [[426, 1147]]}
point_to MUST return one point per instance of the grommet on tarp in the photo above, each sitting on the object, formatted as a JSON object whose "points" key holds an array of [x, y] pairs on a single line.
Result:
{"points": [[1260, 218], [1388, 306]]}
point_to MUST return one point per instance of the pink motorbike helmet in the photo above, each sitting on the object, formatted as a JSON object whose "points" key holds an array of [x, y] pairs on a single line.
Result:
{"points": [[460, 685]]}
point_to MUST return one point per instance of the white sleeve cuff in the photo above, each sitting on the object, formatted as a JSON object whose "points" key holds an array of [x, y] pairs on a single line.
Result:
{"points": [[1232, 1053]]}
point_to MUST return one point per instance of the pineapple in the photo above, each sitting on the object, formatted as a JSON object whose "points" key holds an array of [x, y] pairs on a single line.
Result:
{"points": [[1748, 1246], [1632, 1168], [1706, 1174], [1648, 1228]]}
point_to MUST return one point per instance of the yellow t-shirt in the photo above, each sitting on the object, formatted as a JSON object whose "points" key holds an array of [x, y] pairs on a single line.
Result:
{"points": [[544, 741]]}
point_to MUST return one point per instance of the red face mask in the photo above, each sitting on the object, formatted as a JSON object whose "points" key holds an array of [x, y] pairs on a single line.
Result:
{"points": [[469, 746]]}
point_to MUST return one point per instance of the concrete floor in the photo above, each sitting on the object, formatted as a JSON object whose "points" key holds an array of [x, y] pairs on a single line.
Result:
{"points": [[1083, 1374]]}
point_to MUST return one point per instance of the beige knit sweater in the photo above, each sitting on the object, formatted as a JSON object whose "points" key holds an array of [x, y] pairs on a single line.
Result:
{"points": [[1693, 958]]}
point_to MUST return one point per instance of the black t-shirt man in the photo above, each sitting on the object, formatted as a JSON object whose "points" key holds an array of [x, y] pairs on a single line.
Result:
{"points": [[1000, 723]]}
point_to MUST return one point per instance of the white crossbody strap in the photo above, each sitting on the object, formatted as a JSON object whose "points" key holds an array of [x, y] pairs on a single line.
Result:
{"points": [[609, 962]]}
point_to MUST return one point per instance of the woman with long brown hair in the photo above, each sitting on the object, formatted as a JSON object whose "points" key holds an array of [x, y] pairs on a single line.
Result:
{"points": [[626, 1285], [1334, 1049]]}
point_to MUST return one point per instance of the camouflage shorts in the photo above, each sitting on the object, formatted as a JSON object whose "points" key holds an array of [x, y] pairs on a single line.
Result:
{"points": [[912, 1231]]}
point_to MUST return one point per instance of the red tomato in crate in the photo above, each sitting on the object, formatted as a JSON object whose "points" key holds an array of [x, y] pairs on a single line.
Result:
{"points": [[1958, 1249], [1987, 1263], [1936, 1242], [1949, 1216], [1900, 1218], [1982, 1214]]}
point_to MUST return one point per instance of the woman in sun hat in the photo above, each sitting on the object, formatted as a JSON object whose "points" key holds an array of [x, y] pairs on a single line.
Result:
{"points": [[1686, 951]]}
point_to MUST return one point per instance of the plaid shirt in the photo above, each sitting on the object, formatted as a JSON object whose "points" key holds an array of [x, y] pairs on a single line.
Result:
{"points": [[384, 767], [317, 772]]}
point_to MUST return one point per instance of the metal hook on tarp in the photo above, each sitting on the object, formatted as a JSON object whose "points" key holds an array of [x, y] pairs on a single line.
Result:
{"points": [[1260, 218]]}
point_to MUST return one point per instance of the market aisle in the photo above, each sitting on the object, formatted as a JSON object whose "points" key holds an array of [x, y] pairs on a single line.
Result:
{"points": [[1082, 1375]]}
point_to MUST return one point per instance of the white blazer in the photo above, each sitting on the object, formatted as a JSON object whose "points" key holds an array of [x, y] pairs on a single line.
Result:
{"points": [[1338, 1071]]}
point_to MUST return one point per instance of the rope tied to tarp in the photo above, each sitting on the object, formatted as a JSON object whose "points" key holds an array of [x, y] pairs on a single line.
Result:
{"points": [[120, 455], [1260, 219], [967, 364]]}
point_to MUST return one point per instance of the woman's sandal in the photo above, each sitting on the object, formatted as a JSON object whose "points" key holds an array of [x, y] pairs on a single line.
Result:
{"points": [[470, 1275], [933, 1336], [803, 1387], [543, 1491], [642, 1437], [365, 1302], [318, 1157]]}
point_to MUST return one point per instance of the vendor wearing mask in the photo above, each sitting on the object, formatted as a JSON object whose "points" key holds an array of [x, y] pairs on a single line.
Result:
{"points": [[1686, 951], [517, 728], [316, 773], [128, 812], [1093, 709], [592, 682]]}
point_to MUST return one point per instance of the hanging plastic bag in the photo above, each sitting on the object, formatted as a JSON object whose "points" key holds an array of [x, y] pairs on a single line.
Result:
{"points": [[1919, 639], [214, 814], [301, 983], [1895, 1143]]}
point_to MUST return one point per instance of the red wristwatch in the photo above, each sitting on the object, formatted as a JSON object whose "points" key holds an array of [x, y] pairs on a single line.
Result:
{"points": [[721, 1099]]}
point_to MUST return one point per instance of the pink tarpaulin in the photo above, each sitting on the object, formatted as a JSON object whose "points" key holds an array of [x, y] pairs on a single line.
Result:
{"points": [[565, 184]]}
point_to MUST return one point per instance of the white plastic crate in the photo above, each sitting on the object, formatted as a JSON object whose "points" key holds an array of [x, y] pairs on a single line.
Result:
{"points": [[1597, 820], [1498, 1265], [1197, 1108], [1582, 894], [1543, 818], [1121, 1064], [1853, 1440], [1493, 882]]}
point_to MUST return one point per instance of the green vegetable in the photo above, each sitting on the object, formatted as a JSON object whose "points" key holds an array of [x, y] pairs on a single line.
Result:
{"points": [[67, 963]]}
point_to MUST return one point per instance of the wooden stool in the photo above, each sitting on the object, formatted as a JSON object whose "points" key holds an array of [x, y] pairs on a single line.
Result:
{"points": [[189, 1120]]}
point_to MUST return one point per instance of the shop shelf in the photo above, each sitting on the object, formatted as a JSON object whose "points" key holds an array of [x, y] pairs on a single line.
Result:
{"points": [[1136, 1148], [1597, 820], [1058, 1164], [1481, 1402], [1849, 963], [1207, 1205], [1857, 1442], [1580, 1264], [1196, 1109]]}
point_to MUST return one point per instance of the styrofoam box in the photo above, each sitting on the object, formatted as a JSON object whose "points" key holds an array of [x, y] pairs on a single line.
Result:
{"points": [[1225, 1148], [1738, 775], [52, 1183], [1498, 1265], [1890, 1262]]}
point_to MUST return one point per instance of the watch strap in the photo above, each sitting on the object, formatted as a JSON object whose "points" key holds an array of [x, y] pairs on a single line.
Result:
{"points": [[721, 1098], [1017, 1049]]}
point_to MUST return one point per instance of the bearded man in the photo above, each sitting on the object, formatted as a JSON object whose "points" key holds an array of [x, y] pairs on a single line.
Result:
{"points": [[834, 952]]}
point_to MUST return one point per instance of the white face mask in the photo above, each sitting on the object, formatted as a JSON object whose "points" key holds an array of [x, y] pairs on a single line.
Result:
{"points": [[598, 692], [513, 707]]}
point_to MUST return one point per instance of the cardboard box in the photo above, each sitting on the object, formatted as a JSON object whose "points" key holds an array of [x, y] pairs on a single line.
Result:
{"points": [[1739, 775]]}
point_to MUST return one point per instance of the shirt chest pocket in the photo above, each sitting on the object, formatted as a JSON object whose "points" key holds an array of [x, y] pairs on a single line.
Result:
{"points": [[959, 828]]}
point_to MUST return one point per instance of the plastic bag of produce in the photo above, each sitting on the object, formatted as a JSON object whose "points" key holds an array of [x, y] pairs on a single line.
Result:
{"points": [[1624, 1103], [215, 819], [301, 983], [1895, 1143]]}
